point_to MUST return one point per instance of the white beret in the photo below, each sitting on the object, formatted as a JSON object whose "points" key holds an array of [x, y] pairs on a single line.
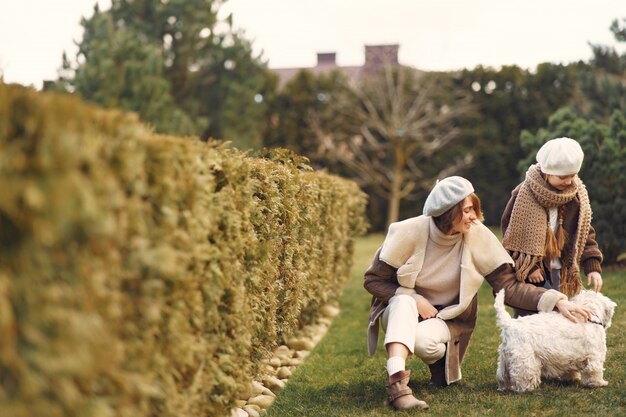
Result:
{"points": [[561, 156], [446, 194]]}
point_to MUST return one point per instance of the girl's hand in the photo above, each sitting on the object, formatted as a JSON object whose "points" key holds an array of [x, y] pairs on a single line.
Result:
{"points": [[426, 309], [597, 280], [536, 277]]}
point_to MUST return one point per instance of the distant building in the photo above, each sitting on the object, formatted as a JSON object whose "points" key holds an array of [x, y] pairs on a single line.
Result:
{"points": [[375, 58]]}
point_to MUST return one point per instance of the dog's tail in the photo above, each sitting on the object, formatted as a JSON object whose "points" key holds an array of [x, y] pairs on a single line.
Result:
{"points": [[503, 318]]}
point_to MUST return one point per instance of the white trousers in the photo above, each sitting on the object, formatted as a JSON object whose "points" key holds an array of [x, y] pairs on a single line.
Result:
{"points": [[426, 339]]}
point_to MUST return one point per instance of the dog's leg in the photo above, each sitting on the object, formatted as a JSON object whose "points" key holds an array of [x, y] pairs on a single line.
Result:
{"points": [[524, 369], [593, 374], [502, 374], [574, 376]]}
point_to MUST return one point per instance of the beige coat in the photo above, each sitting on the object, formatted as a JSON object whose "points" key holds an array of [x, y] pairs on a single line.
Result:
{"points": [[398, 262]]}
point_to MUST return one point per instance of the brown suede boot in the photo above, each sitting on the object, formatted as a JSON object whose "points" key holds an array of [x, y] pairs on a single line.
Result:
{"points": [[438, 373], [399, 395]]}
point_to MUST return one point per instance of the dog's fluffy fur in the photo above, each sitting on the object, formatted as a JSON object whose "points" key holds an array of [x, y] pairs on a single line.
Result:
{"points": [[550, 346]]}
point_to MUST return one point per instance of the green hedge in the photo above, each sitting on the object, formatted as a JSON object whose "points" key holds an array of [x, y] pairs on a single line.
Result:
{"points": [[145, 275]]}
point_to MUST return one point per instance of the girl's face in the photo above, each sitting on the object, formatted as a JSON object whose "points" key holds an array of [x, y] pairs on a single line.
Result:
{"points": [[467, 218], [560, 182]]}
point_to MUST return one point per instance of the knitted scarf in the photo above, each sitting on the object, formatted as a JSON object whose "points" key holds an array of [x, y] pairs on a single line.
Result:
{"points": [[529, 227]]}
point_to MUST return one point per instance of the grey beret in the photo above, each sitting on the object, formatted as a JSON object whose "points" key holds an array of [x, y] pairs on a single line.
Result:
{"points": [[561, 156], [446, 194]]}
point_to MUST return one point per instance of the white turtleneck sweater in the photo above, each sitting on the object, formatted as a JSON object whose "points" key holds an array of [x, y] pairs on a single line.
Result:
{"points": [[439, 280]]}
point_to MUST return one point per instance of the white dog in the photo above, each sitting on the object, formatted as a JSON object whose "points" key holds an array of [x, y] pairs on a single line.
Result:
{"points": [[549, 345]]}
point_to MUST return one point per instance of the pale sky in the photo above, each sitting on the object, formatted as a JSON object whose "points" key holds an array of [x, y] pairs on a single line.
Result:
{"points": [[432, 34]]}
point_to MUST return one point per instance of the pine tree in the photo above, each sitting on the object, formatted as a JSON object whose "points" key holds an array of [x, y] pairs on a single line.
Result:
{"points": [[603, 81], [121, 71], [177, 65]]}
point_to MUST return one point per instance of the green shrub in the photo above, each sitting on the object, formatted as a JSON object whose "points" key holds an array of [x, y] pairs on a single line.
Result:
{"points": [[148, 275]]}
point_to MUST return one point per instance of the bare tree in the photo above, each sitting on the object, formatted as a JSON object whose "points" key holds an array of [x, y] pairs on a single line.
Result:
{"points": [[397, 120]]}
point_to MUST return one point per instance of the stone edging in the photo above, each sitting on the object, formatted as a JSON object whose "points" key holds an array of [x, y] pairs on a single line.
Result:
{"points": [[279, 367]]}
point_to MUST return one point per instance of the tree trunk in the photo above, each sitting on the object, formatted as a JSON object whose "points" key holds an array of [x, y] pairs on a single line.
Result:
{"points": [[396, 182]]}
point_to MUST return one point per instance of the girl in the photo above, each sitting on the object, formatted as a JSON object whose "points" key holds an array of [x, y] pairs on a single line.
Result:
{"points": [[547, 223]]}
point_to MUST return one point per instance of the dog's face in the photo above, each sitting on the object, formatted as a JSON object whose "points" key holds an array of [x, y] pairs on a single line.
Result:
{"points": [[602, 306]]}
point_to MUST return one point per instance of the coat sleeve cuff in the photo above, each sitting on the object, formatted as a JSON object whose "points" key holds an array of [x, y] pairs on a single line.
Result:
{"points": [[405, 291], [411, 292], [417, 297], [592, 265], [548, 300]]}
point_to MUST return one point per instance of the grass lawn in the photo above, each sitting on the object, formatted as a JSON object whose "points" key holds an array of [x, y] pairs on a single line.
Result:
{"points": [[339, 379]]}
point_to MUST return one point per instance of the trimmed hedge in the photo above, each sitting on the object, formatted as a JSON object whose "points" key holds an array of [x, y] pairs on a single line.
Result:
{"points": [[145, 275]]}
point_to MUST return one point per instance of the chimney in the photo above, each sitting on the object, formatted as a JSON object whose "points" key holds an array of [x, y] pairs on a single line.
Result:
{"points": [[326, 59], [376, 56]]}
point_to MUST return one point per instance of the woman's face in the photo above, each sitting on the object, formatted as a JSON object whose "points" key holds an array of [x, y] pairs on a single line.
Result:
{"points": [[560, 182], [467, 218]]}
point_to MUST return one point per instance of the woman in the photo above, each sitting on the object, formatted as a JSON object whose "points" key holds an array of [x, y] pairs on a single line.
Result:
{"points": [[424, 280], [547, 223]]}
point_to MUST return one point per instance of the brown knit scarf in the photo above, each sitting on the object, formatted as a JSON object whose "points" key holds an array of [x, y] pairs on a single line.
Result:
{"points": [[529, 231]]}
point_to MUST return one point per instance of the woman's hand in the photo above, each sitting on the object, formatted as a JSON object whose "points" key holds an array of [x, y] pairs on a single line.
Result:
{"points": [[596, 278], [426, 309], [570, 310], [536, 276]]}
